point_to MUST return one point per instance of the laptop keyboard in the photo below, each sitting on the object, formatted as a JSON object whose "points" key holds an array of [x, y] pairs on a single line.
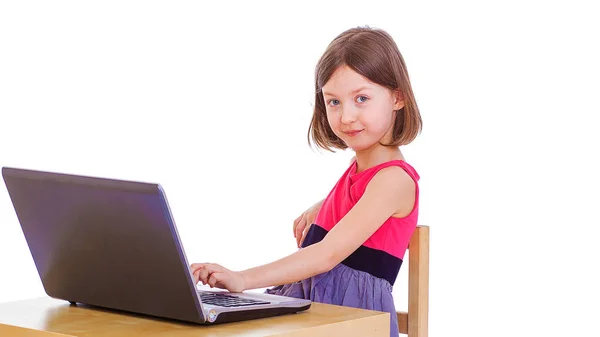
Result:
{"points": [[225, 300]]}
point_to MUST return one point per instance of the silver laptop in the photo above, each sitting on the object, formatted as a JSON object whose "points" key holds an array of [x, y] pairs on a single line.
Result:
{"points": [[113, 244]]}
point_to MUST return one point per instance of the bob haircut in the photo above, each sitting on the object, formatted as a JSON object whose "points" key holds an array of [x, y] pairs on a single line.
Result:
{"points": [[372, 53]]}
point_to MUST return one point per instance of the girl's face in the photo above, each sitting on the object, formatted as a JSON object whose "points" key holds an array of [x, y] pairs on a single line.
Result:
{"points": [[360, 112]]}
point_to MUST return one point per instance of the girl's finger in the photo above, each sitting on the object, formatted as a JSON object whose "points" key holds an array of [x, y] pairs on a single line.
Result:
{"points": [[296, 223], [299, 229], [214, 278], [195, 266], [303, 235], [203, 275]]}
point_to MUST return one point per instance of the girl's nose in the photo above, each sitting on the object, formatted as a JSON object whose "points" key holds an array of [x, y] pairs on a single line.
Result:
{"points": [[349, 115]]}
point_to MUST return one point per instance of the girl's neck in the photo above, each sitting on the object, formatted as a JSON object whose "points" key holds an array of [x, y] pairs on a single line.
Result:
{"points": [[376, 155]]}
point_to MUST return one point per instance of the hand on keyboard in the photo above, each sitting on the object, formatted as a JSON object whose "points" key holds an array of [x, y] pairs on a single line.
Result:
{"points": [[218, 276]]}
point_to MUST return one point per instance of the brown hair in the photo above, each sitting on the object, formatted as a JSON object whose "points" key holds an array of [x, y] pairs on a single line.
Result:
{"points": [[372, 53]]}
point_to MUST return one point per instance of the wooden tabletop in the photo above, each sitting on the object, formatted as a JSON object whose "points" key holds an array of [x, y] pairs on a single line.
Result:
{"points": [[47, 317]]}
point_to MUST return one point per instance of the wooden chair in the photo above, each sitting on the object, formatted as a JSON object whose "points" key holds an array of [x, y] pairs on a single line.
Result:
{"points": [[414, 323]]}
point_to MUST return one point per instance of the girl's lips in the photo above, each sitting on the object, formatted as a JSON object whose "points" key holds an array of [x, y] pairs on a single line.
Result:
{"points": [[353, 133]]}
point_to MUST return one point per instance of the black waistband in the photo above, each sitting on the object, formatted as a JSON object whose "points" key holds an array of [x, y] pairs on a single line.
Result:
{"points": [[373, 261]]}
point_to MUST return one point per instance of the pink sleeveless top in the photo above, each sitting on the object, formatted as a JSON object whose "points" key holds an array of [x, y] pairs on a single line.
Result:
{"points": [[381, 255]]}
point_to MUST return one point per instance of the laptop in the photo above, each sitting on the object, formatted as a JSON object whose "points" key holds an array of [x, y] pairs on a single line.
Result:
{"points": [[113, 244]]}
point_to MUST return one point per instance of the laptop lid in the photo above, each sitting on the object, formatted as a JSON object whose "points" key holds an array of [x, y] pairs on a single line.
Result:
{"points": [[104, 242]]}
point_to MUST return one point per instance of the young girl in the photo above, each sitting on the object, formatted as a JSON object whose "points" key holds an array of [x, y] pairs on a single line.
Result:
{"points": [[352, 243]]}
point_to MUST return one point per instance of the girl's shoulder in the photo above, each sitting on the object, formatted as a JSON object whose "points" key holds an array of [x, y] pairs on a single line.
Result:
{"points": [[366, 175]]}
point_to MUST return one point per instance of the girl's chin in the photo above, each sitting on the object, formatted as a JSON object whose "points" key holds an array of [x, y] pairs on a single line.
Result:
{"points": [[358, 146]]}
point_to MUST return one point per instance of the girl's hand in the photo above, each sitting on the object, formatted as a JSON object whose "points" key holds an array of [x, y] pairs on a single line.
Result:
{"points": [[303, 222], [217, 276]]}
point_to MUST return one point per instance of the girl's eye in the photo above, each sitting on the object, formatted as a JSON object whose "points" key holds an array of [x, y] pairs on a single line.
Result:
{"points": [[333, 102], [362, 99]]}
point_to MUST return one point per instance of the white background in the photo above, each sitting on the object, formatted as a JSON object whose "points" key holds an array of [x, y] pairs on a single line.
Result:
{"points": [[213, 102]]}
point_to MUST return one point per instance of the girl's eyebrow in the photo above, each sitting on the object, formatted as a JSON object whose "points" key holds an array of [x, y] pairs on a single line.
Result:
{"points": [[352, 92]]}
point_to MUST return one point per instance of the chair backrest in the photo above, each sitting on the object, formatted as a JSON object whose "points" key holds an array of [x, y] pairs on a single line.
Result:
{"points": [[415, 322]]}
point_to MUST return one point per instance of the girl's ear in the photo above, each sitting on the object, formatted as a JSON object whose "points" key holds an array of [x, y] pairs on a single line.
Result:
{"points": [[398, 98]]}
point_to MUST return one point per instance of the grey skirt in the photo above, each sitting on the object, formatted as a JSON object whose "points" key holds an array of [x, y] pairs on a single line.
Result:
{"points": [[345, 286]]}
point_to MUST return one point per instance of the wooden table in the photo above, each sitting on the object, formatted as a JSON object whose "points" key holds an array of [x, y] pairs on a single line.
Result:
{"points": [[48, 317]]}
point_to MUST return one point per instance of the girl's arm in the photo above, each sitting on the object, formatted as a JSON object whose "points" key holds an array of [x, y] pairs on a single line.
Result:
{"points": [[390, 192]]}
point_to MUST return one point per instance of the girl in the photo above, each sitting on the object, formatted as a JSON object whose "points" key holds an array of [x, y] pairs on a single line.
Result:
{"points": [[352, 243]]}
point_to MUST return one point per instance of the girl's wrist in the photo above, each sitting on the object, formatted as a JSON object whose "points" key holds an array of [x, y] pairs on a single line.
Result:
{"points": [[245, 280]]}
